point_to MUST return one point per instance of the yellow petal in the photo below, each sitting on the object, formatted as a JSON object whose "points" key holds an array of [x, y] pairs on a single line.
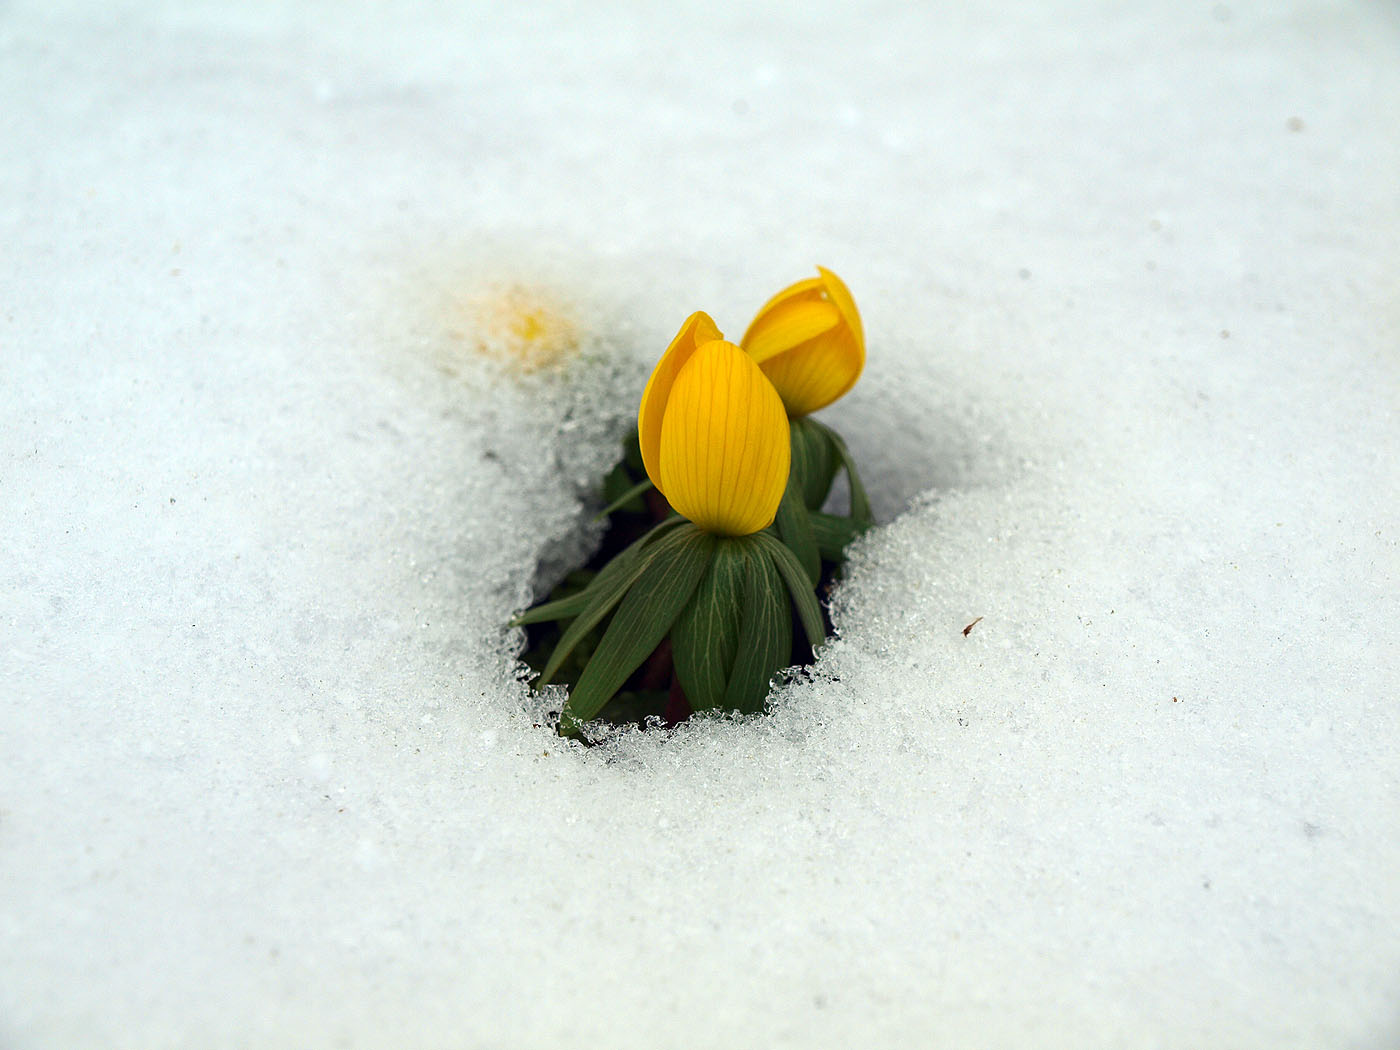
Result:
{"points": [[815, 374], [808, 290], [786, 325], [698, 328], [724, 451], [840, 295]]}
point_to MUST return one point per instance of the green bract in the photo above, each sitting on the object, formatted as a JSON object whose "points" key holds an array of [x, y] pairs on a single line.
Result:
{"points": [[817, 454], [726, 603]]}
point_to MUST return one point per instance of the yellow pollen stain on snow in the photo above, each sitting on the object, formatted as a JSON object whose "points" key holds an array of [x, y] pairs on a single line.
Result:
{"points": [[527, 328]]}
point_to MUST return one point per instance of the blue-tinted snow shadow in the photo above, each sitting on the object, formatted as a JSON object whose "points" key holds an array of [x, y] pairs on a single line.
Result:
{"points": [[912, 435]]}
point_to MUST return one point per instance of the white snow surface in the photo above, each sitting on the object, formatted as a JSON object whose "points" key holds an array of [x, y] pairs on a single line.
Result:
{"points": [[269, 774]]}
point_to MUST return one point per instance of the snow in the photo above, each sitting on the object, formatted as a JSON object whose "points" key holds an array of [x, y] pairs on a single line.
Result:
{"points": [[274, 477]]}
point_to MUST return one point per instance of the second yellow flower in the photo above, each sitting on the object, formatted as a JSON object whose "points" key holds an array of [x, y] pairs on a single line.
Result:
{"points": [[809, 342]]}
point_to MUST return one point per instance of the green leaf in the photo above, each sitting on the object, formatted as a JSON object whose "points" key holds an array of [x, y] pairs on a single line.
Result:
{"points": [[794, 527], [860, 502], [574, 604], [803, 595], [607, 589], [627, 497], [765, 636], [559, 609], [704, 639], [813, 461], [632, 451], [660, 592], [616, 481], [833, 533]]}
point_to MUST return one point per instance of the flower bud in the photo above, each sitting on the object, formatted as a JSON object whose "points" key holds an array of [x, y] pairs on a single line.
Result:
{"points": [[714, 434], [809, 342]]}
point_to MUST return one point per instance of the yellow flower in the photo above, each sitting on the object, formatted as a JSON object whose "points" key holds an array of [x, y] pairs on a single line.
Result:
{"points": [[809, 342], [713, 433]]}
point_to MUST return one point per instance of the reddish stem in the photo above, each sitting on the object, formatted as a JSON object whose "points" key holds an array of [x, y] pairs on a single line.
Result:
{"points": [[656, 503], [657, 669], [677, 705]]}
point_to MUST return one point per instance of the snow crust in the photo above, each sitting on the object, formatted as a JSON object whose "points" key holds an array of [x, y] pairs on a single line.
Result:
{"points": [[272, 478]]}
